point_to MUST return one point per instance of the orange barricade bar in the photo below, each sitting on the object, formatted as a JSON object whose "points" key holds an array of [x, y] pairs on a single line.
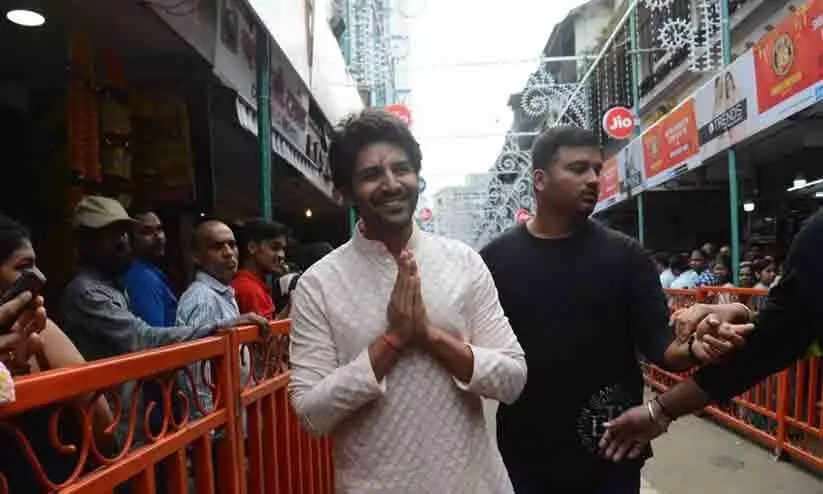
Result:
{"points": [[247, 441], [783, 412]]}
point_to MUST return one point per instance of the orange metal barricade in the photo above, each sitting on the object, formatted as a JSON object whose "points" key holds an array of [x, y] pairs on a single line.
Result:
{"points": [[783, 412], [247, 441]]}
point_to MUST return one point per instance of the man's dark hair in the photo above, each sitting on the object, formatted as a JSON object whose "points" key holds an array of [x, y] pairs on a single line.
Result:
{"points": [[698, 254], [549, 143], [141, 210], [723, 260], [364, 129], [12, 236], [679, 263], [257, 230]]}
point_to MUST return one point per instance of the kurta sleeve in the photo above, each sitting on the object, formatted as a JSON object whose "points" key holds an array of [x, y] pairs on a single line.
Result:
{"points": [[323, 390]]}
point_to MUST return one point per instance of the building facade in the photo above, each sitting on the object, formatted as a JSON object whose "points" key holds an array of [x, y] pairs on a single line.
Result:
{"points": [[457, 211]]}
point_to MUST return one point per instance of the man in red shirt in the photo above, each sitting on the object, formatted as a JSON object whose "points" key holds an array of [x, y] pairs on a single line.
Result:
{"points": [[262, 246]]}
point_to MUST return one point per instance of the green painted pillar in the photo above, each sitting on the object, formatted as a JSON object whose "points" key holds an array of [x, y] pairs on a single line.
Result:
{"points": [[634, 46], [264, 122], [734, 190]]}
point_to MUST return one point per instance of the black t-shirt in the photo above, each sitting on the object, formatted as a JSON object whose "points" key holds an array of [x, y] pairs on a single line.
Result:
{"points": [[582, 307]]}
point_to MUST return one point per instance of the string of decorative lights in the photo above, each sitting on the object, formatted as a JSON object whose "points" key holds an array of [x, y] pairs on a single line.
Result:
{"points": [[600, 87]]}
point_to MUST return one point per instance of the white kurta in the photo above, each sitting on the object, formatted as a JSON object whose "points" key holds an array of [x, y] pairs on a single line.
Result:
{"points": [[418, 430]]}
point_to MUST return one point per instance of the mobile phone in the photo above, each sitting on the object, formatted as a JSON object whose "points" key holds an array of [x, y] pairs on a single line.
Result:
{"points": [[31, 280]]}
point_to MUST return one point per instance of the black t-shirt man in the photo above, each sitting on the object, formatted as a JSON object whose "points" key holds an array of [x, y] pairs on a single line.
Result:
{"points": [[582, 307]]}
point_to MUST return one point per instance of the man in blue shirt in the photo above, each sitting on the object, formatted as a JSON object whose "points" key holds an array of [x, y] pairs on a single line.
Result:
{"points": [[150, 297]]}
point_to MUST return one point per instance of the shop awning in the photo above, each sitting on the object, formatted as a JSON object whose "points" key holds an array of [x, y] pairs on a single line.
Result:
{"points": [[772, 81]]}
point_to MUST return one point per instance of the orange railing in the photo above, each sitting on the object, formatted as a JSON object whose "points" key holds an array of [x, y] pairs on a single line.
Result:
{"points": [[783, 412], [248, 440]]}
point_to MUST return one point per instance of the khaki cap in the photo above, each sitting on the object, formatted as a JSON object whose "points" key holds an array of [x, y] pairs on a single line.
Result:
{"points": [[98, 212]]}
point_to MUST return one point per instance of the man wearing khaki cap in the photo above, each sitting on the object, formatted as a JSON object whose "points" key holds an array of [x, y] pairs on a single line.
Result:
{"points": [[95, 308]]}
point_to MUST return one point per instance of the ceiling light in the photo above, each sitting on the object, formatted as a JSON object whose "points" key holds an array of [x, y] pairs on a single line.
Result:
{"points": [[748, 206], [818, 195], [309, 213], [800, 183], [24, 17]]}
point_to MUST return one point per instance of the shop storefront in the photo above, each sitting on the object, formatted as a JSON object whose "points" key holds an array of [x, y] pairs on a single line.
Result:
{"points": [[765, 105], [102, 98], [310, 88]]}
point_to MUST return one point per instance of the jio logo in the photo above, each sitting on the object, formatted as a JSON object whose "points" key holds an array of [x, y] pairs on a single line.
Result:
{"points": [[618, 123]]}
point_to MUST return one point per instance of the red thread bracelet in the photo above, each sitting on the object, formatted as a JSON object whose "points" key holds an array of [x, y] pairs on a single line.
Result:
{"points": [[390, 342]]}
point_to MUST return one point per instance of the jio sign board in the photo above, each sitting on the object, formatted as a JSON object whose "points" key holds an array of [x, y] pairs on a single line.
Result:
{"points": [[618, 123]]}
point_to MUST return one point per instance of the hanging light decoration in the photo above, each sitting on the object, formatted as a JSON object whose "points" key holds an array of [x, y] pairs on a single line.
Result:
{"points": [[658, 4], [544, 96], [509, 191]]}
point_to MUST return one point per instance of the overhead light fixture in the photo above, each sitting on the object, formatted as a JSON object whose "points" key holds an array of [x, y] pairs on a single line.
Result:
{"points": [[25, 17], [818, 195], [748, 206], [800, 183], [309, 213]]}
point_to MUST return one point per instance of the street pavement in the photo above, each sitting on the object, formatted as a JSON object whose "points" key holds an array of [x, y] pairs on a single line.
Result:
{"points": [[699, 457]]}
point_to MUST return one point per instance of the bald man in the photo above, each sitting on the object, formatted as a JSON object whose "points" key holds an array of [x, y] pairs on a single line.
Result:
{"points": [[210, 296]]}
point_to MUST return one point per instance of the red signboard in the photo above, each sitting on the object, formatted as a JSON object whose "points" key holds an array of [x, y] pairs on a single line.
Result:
{"points": [[609, 179], [788, 59], [400, 111], [618, 123], [671, 141]]}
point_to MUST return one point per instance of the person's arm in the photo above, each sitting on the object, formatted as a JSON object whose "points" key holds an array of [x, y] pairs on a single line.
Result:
{"points": [[323, 390], [782, 333], [127, 332], [60, 352], [490, 362], [649, 314], [649, 318]]}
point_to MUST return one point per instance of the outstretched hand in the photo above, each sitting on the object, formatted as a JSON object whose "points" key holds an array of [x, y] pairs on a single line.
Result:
{"points": [[688, 320], [715, 339], [627, 435]]}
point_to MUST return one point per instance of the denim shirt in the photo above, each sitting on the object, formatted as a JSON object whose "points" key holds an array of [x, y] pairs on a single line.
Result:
{"points": [[205, 300]]}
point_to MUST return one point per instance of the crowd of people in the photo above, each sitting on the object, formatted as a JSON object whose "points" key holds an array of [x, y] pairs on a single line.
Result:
{"points": [[399, 334], [120, 301], [709, 266]]}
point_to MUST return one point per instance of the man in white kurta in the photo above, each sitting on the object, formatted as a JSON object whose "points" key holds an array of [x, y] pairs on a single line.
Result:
{"points": [[419, 430]]}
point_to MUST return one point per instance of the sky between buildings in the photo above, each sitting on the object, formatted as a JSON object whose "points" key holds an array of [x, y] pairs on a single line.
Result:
{"points": [[466, 58]]}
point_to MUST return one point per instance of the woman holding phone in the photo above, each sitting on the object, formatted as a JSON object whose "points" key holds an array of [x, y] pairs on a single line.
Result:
{"points": [[30, 343]]}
